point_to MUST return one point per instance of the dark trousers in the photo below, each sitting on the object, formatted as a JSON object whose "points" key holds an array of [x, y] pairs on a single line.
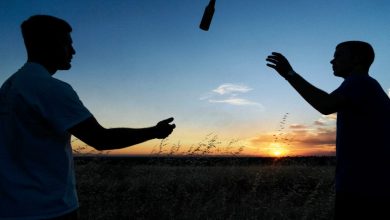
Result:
{"points": [[70, 216], [351, 206]]}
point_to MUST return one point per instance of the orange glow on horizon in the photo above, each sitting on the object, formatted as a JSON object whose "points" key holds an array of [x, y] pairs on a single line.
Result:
{"points": [[262, 145], [277, 150]]}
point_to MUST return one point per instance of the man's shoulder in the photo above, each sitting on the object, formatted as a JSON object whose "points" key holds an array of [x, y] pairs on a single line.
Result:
{"points": [[359, 83], [34, 75], [34, 83], [361, 79]]}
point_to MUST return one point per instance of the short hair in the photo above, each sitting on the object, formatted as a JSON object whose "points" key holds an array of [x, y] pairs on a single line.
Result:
{"points": [[362, 50], [43, 30]]}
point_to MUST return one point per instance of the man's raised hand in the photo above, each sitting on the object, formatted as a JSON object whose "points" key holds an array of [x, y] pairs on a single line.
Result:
{"points": [[278, 62]]}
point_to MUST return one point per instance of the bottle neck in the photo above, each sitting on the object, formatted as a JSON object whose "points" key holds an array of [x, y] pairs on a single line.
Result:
{"points": [[212, 3]]}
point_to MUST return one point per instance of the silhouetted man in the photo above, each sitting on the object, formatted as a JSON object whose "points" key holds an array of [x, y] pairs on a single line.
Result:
{"points": [[363, 129], [38, 114]]}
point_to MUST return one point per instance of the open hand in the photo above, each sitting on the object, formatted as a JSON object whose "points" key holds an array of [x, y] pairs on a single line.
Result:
{"points": [[164, 128], [279, 63]]}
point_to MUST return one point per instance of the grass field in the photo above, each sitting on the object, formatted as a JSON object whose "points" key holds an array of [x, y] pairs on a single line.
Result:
{"points": [[213, 188]]}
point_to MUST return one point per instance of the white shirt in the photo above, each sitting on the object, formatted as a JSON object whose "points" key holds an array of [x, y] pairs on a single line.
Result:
{"points": [[37, 178]]}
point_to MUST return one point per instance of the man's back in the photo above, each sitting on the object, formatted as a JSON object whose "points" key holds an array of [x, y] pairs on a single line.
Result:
{"points": [[38, 113], [363, 145], [36, 165], [363, 119]]}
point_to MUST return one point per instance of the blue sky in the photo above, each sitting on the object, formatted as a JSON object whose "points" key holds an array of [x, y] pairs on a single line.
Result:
{"points": [[139, 61]]}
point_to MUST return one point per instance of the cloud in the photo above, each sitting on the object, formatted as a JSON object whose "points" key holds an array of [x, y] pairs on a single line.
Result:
{"points": [[229, 88], [388, 92], [326, 120], [319, 123], [297, 126], [331, 117], [320, 137], [230, 93], [323, 133], [236, 101]]}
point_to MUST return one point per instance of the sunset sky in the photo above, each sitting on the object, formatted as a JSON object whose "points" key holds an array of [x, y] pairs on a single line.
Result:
{"points": [[139, 61]]}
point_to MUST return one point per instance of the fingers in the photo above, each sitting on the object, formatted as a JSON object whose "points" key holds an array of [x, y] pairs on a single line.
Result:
{"points": [[271, 65], [276, 58], [164, 129], [277, 54], [273, 61], [167, 121], [279, 63]]}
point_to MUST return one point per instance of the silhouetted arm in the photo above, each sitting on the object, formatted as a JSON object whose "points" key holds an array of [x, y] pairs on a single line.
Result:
{"points": [[92, 133], [323, 102]]}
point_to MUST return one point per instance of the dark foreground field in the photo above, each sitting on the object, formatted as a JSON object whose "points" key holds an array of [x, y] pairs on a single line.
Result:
{"points": [[213, 188]]}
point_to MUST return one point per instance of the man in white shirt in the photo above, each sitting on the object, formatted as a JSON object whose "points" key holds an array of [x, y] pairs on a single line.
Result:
{"points": [[38, 115]]}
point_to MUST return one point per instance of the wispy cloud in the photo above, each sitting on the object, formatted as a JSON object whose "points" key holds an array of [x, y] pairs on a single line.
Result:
{"points": [[326, 120], [320, 122], [236, 101], [229, 93], [320, 137], [331, 117], [298, 126], [229, 88]]}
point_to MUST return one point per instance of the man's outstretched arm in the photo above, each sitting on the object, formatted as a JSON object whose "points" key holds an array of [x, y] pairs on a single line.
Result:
{"points": [[323, 102], [92, 133]]}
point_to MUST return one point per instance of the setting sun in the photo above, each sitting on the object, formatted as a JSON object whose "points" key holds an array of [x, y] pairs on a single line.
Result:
{"points": [[277, 153], [277, 150]]}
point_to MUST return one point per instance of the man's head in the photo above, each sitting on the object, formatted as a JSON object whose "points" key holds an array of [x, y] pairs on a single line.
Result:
{"points": [[48, 42], [351, 57]]}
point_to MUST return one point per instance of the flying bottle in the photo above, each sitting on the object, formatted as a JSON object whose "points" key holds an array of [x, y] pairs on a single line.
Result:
{"points": [[207, 16]]}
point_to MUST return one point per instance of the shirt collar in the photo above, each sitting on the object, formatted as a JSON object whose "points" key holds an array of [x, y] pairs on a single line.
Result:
{"points": [[36, 68]]}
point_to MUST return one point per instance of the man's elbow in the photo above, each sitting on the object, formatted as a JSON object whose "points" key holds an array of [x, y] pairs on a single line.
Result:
{"points": [[92, 133], [99, 141], [331, 104], [326, 110]]}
